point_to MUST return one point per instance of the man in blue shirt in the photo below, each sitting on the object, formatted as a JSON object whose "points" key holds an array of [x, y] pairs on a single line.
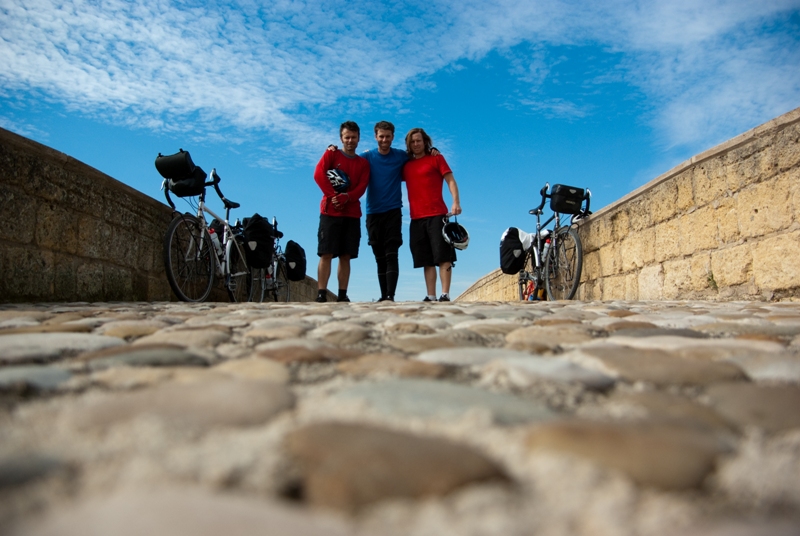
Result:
{"points": [[384, 204]]}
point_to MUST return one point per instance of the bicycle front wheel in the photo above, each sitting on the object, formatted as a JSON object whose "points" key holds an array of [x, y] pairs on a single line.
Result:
{"points": [[188, 259], [562, 267], [281, 281], [239, 279]]}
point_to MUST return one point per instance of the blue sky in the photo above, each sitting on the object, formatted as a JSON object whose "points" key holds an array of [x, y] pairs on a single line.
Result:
{"points": [[605, 95]]}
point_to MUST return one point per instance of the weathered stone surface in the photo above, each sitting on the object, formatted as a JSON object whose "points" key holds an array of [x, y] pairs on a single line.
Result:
{"points": [[773, 408], [349, 466], [181, 512], [145, 355], [468, 356], [254, 369], [665, 406], [391, 365], [43, 347], [303, 351], [340, 333], [429, 399], [37, 377], [660, 454], [24, 468], [524, 371], [539, 339], [662, 368], [125, 329], [202, 404], [203, 338]]}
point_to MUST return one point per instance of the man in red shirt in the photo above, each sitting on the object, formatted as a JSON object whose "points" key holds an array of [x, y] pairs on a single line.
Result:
{"points": [[339, 232], [424, 175]]}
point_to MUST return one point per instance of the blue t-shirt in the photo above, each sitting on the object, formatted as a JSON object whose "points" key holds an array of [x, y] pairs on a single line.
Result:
{"points": [[384, 192]]}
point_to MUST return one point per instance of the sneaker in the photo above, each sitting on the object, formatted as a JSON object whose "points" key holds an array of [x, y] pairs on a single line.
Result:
{"points": [[444, 297], [427, 299], [385, 298], [321, 298], [344, 299]]}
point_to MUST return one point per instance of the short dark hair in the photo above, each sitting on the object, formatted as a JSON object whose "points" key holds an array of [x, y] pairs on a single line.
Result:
{"points": [[384, 125], [349, 125], [425, 138]]}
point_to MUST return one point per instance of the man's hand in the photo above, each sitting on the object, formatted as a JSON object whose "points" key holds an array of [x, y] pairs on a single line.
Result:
{"points": [[340, 200], [455, 209], [332, 147], [435, 151]]}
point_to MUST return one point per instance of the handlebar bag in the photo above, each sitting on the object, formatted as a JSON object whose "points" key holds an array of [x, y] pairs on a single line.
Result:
{"points": [[512, 253], [176, 166], [259, 241], [566, 199], [191, 186], [295, 261]]}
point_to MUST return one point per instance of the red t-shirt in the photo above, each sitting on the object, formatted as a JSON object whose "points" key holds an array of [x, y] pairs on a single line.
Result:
{"points": [[424, 179], [357, 168]]}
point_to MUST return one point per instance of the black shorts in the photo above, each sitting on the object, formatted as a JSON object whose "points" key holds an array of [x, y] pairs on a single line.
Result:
{"points": [[428, 247], [385, 231], [338, 236]]}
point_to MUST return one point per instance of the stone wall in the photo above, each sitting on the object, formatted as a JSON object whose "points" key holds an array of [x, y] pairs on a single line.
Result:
{"points": [[723, 225], [72, 233]]}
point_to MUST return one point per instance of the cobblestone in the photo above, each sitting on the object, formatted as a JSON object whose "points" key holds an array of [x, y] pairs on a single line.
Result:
{"points": [[614, 418]]}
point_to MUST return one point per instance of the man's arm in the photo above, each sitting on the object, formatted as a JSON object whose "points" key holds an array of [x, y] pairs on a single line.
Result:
{"points": [[321, 177], [451, 184]]}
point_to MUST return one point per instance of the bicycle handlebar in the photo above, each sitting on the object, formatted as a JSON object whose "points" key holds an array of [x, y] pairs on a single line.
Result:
{"points": [[215, 180], [587, 196]]}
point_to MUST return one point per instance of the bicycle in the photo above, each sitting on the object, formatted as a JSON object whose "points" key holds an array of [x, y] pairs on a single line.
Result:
{"points": [[193, 253], [272, 281], [554, 260]]}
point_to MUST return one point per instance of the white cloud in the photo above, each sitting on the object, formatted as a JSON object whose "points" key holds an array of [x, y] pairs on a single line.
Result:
{"points": [[707, 69]]}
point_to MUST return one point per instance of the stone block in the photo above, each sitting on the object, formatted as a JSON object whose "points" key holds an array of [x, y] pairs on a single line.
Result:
{"points": [[708, 185], [638, 249], [732, 266], [614, 288], [787, 147], [94, 236], [775, 264], [597, 234], [727, 221], [18, 214], [610, 260], [632, 286], [65, 277], [698, 231], [765, 207], [117, 285], [638, 214], [685, 198], [620, 225], [28, 274], [651, 282], [662, 202], [90, 281], [677, 279], [591, 266], [56, 228], [668, 240]]}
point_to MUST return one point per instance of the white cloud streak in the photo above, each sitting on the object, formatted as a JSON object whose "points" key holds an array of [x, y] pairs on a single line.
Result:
{"points": [[707, 69]]}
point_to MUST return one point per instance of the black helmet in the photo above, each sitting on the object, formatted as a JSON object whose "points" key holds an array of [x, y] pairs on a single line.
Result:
{"points": [[455, 234], [339, 180]]}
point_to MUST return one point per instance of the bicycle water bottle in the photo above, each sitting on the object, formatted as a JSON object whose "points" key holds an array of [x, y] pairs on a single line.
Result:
{"points": [[545, 249], [215, 241]]}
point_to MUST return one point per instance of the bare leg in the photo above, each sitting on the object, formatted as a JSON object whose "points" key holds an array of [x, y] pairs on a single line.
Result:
{"points": [[343, 271], [445, 274], [430, 280], [324, 271]]}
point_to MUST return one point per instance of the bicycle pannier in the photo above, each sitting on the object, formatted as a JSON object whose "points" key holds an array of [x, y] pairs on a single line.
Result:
{"points": [[512, 253], [184, 178], [295, 261], [258, 241], [566, 199]]}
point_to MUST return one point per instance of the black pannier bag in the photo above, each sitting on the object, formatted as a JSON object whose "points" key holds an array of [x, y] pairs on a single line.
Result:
{"points": [[259, 241], [512, 253], [566, 199], [295, 261], [184, 179]]}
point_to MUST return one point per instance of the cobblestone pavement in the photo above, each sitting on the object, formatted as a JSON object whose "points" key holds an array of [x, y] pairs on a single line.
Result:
{"points": [[612, 418]]}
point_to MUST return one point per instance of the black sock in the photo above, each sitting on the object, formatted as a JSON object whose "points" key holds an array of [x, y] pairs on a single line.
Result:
{"points": [[322, 293], [392, 274], [342, 293]]}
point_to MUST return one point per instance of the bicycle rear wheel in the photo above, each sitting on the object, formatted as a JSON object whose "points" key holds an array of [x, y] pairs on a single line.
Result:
{"points": [[281, 292], [525, 275], [239, 280], [188, 259], [562, 267]]}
